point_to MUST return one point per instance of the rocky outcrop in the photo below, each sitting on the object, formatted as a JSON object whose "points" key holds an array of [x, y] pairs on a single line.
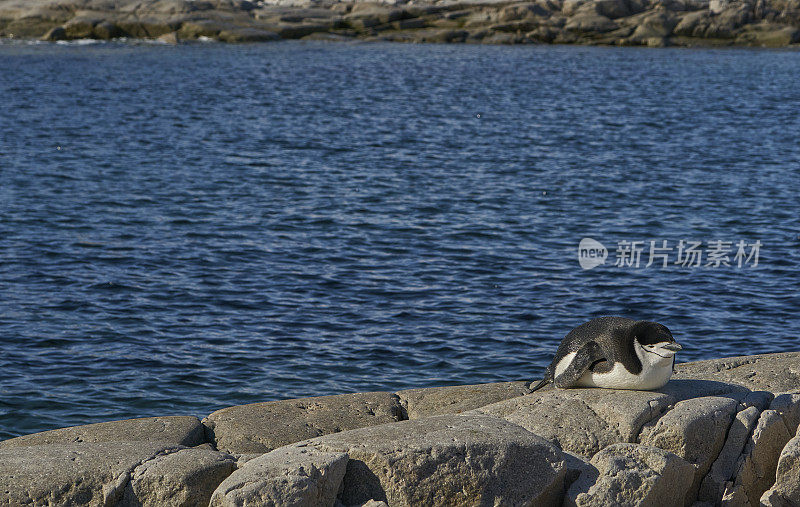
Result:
{"points": [[721, 432], [287, 476], [632, 474], [79, 473], [609, 22], [440, 460], [175, 430], [786, 490], [262, 427], [184, 477]]}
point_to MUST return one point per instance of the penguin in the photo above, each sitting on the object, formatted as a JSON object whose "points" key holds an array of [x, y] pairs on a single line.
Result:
{"points": [[614, 353]]}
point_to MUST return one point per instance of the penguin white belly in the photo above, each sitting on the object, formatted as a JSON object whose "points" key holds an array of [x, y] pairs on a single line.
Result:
{"points": [[619, 378]]}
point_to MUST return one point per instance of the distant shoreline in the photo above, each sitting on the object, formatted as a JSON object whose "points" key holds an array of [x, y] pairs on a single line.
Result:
{"points": [[682, 23]]}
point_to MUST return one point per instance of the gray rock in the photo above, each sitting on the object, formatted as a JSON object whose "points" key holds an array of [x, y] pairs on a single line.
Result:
{"points": [[457, 399], [590, 22], [695, 430], [183, 478], [788, 406], [786, 490], [447, 460], [177, 430], [55, 34], [724, 467], [693, 24], [656, 25], [262, 427], [82, 27], [170, 38], [293, 475], [766, 372], [583, 421], [769, 35], [247, 35], [758, 463], [79, 473], [631, 474]]}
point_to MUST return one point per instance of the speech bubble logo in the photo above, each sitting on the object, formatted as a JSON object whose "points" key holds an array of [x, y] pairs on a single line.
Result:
{"points": [[591, 253]]}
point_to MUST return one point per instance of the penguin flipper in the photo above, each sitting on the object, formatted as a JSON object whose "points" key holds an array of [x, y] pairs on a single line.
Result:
{"points": [[585, 357]]}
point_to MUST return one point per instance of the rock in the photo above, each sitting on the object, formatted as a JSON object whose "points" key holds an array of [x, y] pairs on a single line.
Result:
{"points": [[614, 9], [247, 35], [517, 12], [184, 477], [79, 473], [330, 37], [766, 372], [447, 460], [695, 430], [81, 27], [631, 474], [362, 18], [170, 38], [726, 24], [202, 28], [298, 476], [693, 24], [586, 22], [148, 27], [55, 34], [582, 421], [724, 467], [177, 430], [657, 25], [262, 427], [786, 490], [456, 399], [756, 467], [769, 35], [300, 30]]}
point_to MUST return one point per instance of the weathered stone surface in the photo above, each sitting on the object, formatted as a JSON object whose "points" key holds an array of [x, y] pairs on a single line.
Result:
{"points": [[456, 399], [583, 421], [447, 460], [590, 22], [178, 430], [724, 467], [55, 34], [79, 473], [262, 427], [185, 477], [632, 474], [695, 430], [656, 25], [786, 490], [769, 35], [757, 465], [767, 372], [763, 22], [247, 35], [293, 475]]}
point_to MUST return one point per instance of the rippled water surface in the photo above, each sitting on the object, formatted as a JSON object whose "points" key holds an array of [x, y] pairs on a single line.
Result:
{"points": [[187, 228]]}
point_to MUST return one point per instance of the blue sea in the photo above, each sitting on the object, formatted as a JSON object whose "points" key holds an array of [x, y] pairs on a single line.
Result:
{"points": [[187, 228]]}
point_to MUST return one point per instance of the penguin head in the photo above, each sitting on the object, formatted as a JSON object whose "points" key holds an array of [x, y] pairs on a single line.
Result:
{"points": [[655, 338]]}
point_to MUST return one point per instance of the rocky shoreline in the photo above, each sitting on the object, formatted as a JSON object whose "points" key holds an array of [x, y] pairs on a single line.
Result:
{"points": [[722, 432], [770, 23]]}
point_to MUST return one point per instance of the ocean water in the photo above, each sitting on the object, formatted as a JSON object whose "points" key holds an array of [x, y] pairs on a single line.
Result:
{"points": [[187, 228]]}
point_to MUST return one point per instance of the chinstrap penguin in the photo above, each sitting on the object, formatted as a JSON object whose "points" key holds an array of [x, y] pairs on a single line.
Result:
{"points": [[615, 353]]}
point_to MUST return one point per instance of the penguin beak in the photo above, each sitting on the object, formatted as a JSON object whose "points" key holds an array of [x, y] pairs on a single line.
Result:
{"points": [[673, 346]]}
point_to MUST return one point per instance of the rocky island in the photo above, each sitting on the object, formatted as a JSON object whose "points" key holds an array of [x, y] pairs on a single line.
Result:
{"points": [[772, 23], [721, 432]]}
